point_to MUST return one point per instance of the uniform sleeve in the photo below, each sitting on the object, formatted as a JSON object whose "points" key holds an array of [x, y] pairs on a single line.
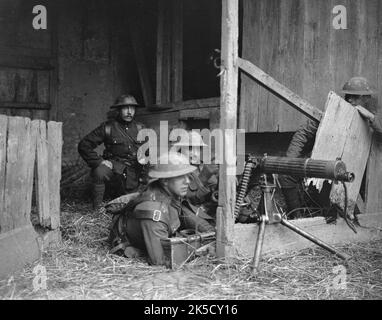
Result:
{"points": [[89, 143], [153, 232], [189, 220], [303, 140], [376, 124]]}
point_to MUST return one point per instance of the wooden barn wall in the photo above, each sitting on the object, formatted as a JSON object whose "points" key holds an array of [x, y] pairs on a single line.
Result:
{"points": [[294, 41], [27, 60]]}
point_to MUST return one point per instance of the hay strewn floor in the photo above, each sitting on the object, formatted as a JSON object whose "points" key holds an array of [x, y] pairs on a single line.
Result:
{"points": [[82, 269]]}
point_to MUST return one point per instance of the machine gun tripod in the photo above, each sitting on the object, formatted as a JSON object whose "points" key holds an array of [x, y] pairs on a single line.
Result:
{"points": [[333, 170]]}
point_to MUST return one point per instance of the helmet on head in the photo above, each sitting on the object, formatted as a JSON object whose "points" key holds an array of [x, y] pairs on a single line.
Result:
{"points": [[357, 86], [171, 165], [194, 140], [125, 100]]}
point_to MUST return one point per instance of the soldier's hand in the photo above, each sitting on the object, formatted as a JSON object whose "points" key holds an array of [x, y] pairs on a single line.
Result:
{"points": [[107, 163], [366, 114]]}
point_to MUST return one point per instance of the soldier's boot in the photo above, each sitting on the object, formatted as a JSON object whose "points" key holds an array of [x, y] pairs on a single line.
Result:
{"points": [[97, 194], [293, 202]]}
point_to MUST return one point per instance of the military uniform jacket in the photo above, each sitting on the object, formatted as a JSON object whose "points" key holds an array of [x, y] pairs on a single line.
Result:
{"points": [[121, 144], [157, 215], [303, 140], [198, 193]]}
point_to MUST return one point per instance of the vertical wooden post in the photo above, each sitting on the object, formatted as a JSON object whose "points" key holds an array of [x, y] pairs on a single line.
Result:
{"points": [[177, 51], [163, 84], [54, 136], [169, 77], [135, 27], [42, 183], [373, 177], [228, 122], [53, 74], [3, 163]]}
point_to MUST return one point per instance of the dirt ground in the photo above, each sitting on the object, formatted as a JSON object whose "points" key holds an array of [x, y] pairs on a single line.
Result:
{"points": [[82, 268]]}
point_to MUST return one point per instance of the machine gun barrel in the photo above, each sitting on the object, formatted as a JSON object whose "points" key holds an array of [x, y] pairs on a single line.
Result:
{"points": [[306, 168]]}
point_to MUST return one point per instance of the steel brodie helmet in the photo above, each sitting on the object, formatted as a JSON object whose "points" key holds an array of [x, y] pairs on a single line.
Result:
{"points": [[357, 86], [171, 165], [125, 100]]}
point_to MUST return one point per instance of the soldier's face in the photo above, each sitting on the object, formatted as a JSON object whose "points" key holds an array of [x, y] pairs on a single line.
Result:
{"points": [[178, 185], [194, 154], [127, 113]]}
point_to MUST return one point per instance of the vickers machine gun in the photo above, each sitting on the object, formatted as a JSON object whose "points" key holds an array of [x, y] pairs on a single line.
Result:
{"points": [[268, 213]]}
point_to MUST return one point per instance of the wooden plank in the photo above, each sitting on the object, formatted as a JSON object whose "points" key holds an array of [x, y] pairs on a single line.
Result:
{"points": [[194, 114], [42, 178], [52, 86], [31, 155], [40, 114], [54, 161], [160, 52], [26, 113], [280, 90], [22, 246], [229, 87], [25, 62], [279, 239], [43, 87], [342, 47], [177, 51], [3, 161], [269, 62], [291, 53], [14, 50], [249, 91], [163, 84], [177, 106], [17, 248], [374, 178], [18, 165], [135, 27], [313, 53], [25, 105], [341, 131]]}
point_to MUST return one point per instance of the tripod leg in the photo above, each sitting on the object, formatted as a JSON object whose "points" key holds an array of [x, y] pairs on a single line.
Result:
{"points": [[315, 240], [259, 246]]}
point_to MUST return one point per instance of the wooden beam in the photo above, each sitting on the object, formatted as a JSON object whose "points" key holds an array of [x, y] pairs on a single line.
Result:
{"points": [[25, 105], [3, 164], [373, 177], [280, 90], [163, 85], [187, 104], [135, 28], [228, 123], [53, 75], [54, 135], [177, 51], [42, 178], [25, 62]]}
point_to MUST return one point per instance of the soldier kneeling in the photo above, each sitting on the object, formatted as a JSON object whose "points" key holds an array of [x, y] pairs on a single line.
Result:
{"points": [[160, 212]]}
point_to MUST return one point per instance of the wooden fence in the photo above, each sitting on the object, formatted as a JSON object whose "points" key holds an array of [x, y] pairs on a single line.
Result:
{"points": [[30, 155]]}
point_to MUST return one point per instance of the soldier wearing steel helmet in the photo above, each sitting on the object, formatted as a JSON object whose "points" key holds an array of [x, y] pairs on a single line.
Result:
{"points": [[358, 92], [119, 136], [160, 212], [204, 180]]}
